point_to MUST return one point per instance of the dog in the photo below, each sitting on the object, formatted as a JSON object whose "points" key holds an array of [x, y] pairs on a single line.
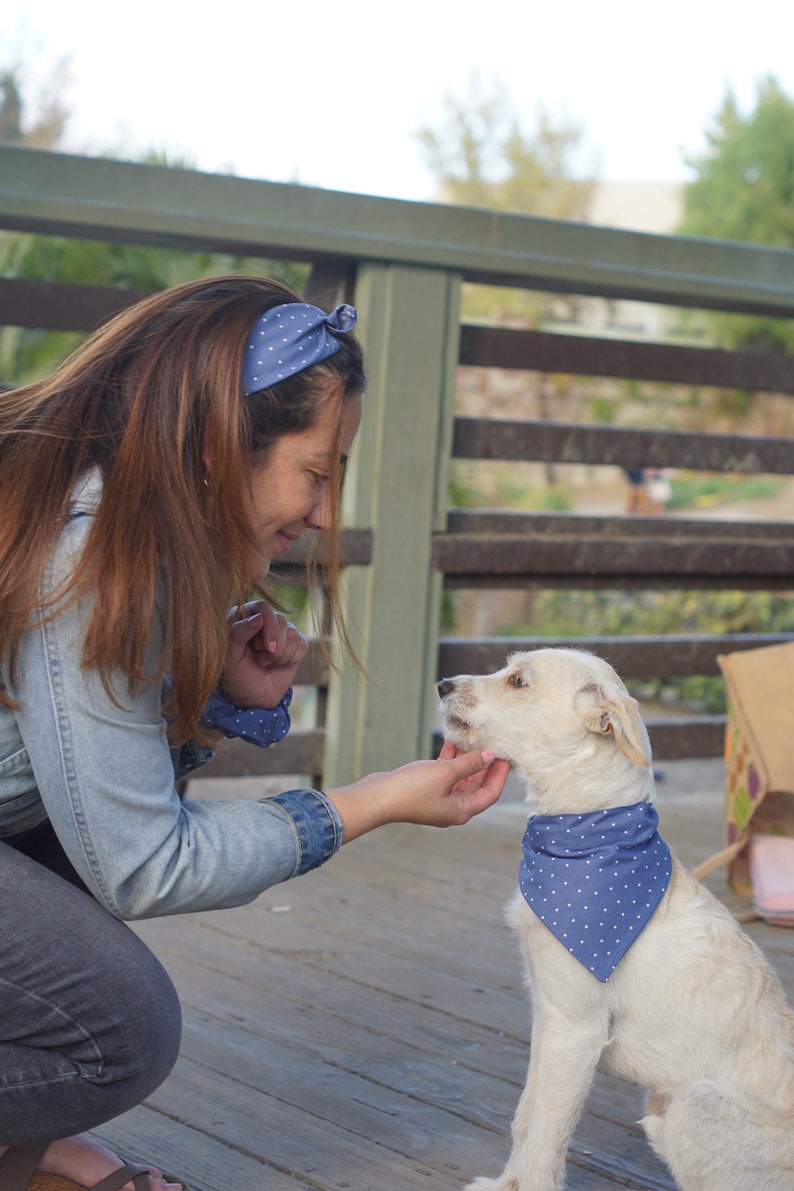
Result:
{"points": [[666, 990]]}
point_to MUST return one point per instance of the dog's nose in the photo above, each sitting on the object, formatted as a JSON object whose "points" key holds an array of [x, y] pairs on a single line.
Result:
{"points": [[445, 686]]}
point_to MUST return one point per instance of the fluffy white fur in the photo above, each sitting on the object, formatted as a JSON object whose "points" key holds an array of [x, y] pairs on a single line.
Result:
{"points": [[693, 1012]]}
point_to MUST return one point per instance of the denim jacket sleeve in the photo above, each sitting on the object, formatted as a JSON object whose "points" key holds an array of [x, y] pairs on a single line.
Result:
{"points": [[103, 768]]}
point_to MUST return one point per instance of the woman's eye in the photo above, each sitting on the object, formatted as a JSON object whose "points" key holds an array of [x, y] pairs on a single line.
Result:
{"points": [[319, 479]]}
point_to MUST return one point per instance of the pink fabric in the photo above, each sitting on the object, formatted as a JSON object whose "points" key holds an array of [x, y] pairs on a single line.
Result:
{"points": [[772, 870]]}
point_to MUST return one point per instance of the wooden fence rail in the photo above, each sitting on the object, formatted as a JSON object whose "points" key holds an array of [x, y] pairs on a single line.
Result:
{"points": [[575, 355], [556, 442], [569, 549]]}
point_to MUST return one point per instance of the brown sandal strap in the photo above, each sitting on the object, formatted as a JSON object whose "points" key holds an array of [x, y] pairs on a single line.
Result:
{"points": [[18, 1165], [115, 1181]]}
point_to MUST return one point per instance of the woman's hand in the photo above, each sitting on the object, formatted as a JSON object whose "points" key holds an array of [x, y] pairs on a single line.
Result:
{"points": [[265, 651], [443, 793]]}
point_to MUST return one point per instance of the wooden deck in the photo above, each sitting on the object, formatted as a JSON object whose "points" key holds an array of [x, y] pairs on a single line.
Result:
{"points": [[365, 1027]]}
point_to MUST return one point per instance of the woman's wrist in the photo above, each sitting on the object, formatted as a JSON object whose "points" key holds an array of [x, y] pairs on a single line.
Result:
{"points": [[360, 808]]}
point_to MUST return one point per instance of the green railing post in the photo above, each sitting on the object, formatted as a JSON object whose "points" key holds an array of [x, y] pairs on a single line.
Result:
{"points": [[409, 325]]}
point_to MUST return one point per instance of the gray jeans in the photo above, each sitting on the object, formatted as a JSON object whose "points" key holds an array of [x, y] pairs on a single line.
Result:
{"points": [[90, 1022]]}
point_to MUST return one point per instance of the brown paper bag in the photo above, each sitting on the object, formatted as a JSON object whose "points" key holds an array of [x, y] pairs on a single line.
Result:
{"points": [[759, 751]]}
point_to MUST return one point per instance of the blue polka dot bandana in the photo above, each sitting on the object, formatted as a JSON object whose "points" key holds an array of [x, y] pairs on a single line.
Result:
{"points": [[595, 880], [289, 338]]}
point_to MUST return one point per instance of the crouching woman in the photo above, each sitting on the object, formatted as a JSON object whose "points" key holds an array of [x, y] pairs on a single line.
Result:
{"points": [[145, 489]]}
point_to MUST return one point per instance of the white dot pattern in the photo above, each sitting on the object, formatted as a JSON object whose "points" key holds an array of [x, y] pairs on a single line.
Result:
{"points": [[595, 879], [289, 338], [258, 725]]}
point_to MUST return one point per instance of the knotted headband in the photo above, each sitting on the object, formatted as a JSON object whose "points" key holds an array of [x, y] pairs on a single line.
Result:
{"points": [[288, 338], [595, 880]]}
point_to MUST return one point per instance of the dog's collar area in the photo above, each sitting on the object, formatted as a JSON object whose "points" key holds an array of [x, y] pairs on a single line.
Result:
{"points": [[595, 879]]}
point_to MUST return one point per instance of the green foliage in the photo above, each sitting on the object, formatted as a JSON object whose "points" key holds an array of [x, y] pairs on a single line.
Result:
{"points": [[602, 410], [554, 498], [744, 190], [496, 485], [653, 405], [510, 493], [745, 184], [462, 490], [694, 490], [571, 613]]}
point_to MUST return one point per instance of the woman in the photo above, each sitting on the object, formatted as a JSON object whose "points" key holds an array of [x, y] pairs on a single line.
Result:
{"points": [[144, 491]]}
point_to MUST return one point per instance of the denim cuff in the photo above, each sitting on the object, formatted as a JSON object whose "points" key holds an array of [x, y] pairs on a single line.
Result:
{"points": [[190, 757], [258, 725], [316, 823]]}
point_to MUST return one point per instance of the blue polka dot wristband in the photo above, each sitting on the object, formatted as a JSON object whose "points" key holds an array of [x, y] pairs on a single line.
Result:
{"points": [[257, 725]]}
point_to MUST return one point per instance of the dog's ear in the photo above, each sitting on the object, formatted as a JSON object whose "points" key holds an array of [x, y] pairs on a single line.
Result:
{"points": [[606, 709]]}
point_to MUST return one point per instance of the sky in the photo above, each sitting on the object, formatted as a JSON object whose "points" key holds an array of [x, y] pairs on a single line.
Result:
{"points": [[334, 94]]}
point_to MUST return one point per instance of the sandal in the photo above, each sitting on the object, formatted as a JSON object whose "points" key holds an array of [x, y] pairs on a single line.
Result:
{"points": [[19, 1172]]}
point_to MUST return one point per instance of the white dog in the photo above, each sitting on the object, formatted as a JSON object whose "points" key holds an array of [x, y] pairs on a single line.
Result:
{"points": [[630, 963]]}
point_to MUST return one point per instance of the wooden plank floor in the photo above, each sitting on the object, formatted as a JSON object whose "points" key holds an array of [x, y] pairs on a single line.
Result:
{"points": [[364, 1027]]}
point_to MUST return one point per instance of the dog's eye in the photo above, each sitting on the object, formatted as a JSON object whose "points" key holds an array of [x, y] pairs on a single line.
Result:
{"points": [[516, 679]]}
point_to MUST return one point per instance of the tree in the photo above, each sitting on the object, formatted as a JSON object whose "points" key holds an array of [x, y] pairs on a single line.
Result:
{"points": [[744, 190], [47, 122], [481, 156]]}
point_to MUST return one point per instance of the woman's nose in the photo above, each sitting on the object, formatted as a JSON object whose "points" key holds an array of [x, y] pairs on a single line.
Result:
{"points": [[320, 515]]}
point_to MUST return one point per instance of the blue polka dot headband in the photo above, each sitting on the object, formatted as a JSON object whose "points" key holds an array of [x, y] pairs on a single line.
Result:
{"points": [[289, 338]]}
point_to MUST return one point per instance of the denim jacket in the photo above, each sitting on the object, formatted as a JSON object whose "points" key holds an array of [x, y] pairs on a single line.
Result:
{"points": [[103, 773]]}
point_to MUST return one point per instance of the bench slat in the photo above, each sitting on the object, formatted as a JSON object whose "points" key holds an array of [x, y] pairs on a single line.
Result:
{"points": [[584, 355], [555, 442]]}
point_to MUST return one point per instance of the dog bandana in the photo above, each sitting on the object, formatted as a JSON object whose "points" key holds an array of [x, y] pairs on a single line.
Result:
{"points": [[595, 880], [289, 338]]}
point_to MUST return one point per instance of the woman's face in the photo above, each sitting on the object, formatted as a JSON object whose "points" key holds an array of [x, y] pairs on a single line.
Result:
{"points": [[291, 488]]}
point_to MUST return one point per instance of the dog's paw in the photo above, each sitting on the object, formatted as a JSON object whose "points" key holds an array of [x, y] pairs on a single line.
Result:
{"points": [[652, 1124], [492, 1185]]}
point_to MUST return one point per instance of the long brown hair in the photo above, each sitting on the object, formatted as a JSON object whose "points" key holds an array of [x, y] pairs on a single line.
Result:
{"points": [[147, 399]]}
